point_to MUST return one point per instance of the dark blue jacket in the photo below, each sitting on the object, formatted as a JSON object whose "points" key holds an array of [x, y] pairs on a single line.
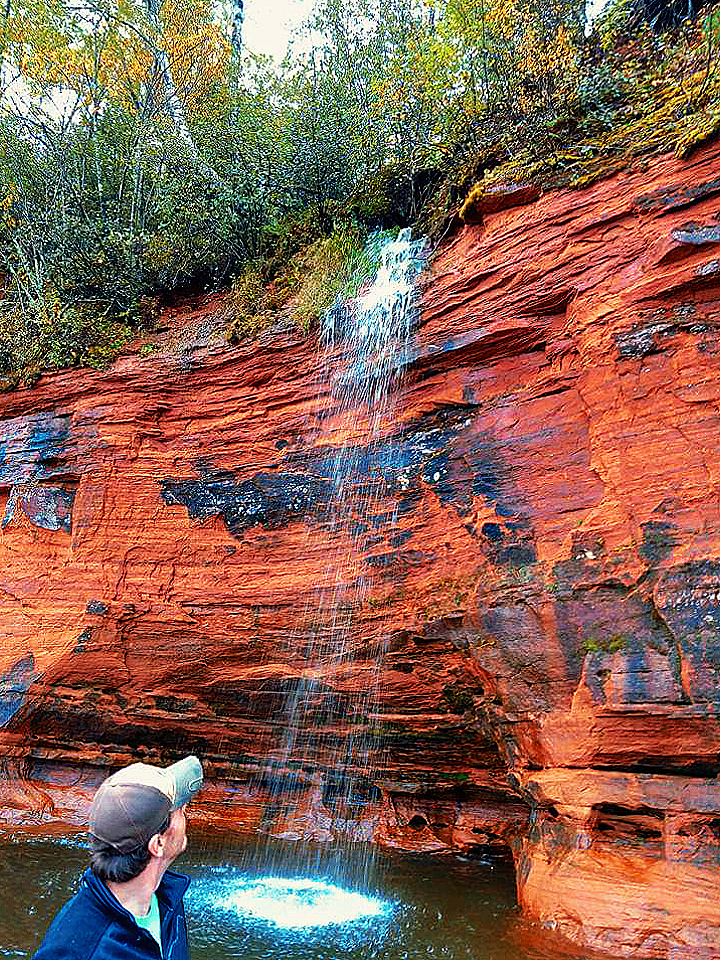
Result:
{"points": [[94, 925]]}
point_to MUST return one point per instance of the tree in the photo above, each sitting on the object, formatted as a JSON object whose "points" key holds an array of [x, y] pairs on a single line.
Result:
{"points": [[519, 63], [159, 58]]}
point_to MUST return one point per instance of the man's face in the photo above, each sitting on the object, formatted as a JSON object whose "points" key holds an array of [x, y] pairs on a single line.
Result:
{"points": [[175, 836]]}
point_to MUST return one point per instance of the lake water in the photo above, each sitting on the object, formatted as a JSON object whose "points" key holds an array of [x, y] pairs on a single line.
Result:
{"points": [[411, 908]]}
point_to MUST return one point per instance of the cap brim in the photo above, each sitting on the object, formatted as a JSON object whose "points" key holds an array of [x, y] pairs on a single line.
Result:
{"points": [[188, 776]]}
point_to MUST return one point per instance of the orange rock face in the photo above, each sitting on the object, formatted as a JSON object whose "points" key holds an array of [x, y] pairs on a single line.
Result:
{"points": [[508, 635]]}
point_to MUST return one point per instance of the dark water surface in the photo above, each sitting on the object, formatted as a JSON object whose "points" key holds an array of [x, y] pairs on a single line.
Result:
{"points": [[410, 908]]}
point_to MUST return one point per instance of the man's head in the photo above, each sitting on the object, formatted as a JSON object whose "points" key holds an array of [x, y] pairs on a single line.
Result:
{"points": [[138, 813]]}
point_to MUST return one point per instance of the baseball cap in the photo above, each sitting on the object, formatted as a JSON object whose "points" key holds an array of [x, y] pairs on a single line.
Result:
{"points": [[133, 803]]}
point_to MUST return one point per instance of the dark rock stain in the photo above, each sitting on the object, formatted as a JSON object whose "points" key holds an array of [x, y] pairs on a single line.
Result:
{"points": [[643, 339], [32, 447], [332, 487], [269, 500], [14, 685], [676, 196], [97, 608], [47, 507]]}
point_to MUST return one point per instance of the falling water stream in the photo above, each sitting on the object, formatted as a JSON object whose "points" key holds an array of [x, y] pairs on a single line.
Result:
{"points": [[320, 771], [329, 752]]}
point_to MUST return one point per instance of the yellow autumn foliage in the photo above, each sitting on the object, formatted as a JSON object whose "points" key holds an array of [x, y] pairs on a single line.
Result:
{"points": [[108, 52]]}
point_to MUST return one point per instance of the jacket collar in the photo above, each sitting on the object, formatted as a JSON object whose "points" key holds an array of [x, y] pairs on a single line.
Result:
{"points": [[170, 892], [172, 888]]}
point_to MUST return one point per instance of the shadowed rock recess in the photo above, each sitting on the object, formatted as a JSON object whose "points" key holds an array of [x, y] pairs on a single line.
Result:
{"points": [[542, 554]]}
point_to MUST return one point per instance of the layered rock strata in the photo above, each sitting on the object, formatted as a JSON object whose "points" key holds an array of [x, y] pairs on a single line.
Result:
{"points": [[540, 559]]}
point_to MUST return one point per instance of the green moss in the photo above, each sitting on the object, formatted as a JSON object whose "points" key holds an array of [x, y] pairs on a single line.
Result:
{"points": [[609, 645], [459, 777], [441, 779]]}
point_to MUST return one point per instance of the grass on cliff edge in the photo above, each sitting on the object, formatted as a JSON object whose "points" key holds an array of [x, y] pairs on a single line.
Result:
{"points": [[327, 270]]}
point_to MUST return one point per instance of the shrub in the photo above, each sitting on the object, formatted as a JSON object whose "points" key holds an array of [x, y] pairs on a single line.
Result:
{"points": [[46, 336]]}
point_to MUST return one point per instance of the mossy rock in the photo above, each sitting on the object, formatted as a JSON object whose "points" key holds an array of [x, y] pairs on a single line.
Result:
{"points": [[491, 199]]}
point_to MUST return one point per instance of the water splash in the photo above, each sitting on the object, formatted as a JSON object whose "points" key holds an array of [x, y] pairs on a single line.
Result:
{"points": [[295, 904], [374, 328]]}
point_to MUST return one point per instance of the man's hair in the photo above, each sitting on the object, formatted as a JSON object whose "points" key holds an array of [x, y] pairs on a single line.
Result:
{"points": [[109, 865]]}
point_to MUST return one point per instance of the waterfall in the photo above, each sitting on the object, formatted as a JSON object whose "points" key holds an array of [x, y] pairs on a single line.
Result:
{"points": [[375, 329], [318, 781]]}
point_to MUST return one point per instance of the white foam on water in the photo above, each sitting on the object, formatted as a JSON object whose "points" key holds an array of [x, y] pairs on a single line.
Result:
{"points": [[299, 903]]}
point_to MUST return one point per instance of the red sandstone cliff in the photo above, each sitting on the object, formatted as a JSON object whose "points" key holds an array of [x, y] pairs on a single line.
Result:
{"points": [[543, 557]]}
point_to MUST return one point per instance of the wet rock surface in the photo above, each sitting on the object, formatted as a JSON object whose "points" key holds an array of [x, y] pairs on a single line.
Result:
{"points": [[541, 556]]}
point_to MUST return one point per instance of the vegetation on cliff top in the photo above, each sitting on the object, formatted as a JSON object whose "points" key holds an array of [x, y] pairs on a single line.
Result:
{"points": [[140, 154]]}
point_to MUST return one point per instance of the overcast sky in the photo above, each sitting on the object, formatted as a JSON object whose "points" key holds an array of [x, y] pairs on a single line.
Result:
{"points": [[268, 24]]}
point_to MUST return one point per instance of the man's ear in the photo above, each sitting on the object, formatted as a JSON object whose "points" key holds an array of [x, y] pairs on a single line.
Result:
{"points": [[155, 844]]}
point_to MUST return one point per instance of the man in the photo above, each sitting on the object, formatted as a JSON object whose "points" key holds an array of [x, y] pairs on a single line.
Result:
{"points": [[130, 906]]}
